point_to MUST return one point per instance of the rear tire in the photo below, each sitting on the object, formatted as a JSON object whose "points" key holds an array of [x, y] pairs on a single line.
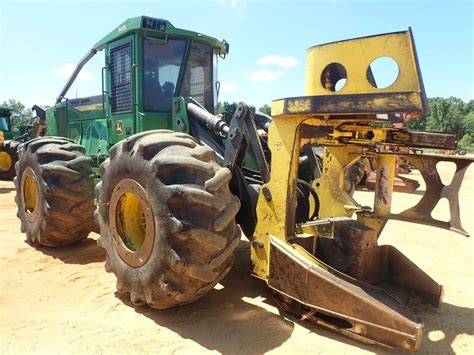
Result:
{"points": [[54, 192], [8, 158], [167, 218]]}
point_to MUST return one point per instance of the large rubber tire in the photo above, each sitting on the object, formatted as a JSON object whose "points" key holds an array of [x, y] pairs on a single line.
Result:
{"points": [[54, 191], [189, 215], [9, 155]]}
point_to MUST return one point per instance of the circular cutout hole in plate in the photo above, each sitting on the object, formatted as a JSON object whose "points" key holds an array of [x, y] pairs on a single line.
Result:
{"points": [[382, 72], [334, 77]]}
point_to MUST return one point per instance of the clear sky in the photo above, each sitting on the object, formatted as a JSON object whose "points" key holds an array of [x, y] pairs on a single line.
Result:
{"points": [[41, 41]]}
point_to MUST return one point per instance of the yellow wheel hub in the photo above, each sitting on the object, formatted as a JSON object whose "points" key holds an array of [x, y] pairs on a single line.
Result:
{"points": [[6, 161], [131, 222], [30, 194]]}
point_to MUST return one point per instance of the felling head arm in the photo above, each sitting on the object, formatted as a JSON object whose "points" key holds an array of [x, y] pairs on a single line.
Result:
{"points": [[330, 268]]}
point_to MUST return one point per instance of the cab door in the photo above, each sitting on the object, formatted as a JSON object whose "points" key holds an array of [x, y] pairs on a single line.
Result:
{"points": [[120, 92]]}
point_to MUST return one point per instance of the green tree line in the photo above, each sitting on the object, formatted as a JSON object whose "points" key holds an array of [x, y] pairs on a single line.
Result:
{"points": [[20, 113], [448, 115]]}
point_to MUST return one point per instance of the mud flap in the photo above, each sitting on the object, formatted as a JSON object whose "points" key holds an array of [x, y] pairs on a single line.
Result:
{"points": [[319, 292]]}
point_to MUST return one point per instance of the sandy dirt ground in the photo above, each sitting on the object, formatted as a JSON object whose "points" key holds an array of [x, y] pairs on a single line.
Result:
{"points": [[63, 301]]}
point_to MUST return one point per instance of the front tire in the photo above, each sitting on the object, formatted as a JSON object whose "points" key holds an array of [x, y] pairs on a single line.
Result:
{"points": [[54, 192], [167, 218]]}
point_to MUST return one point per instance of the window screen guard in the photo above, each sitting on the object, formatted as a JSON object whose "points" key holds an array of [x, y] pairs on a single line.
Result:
{"points": [[120, 64]]}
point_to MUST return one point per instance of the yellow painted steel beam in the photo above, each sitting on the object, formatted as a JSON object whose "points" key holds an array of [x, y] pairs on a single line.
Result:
{"points": [[277, 200], [355, 56], [387, 164], [351, 61], [335, 201]]}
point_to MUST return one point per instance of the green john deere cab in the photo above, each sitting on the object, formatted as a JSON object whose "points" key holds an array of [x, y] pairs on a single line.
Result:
{"points": [[149, 67]]}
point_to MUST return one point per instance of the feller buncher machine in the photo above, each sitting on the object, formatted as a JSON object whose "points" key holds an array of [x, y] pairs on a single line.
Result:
{"points": [[174, 180], [8, 155], [10, 139]]}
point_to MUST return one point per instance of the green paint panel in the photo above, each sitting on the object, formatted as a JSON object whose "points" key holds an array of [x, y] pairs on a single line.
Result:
{"points": [[95, 139], [151, 121], [75, 131], [51, 122], [180, 121]]}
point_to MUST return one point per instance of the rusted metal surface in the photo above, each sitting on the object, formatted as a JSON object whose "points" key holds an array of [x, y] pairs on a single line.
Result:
{"points": [[336, 301], [400, 183], [322, 227], [432, 140], [386, 166], [343, 252], [354, 251], [351, 285], [339, 130], [409, 102], [353, 59], [435, 191]]}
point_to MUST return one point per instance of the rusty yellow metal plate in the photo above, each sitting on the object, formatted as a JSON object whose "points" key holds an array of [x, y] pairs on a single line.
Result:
{"points": [[349, 62], [355, 56]]}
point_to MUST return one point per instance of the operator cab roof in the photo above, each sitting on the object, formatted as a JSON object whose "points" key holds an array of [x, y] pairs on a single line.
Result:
{"points": [[160, 28]]}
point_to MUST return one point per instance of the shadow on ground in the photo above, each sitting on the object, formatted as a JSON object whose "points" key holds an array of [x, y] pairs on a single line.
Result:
{"points": [[222, 320], [443, 325], [83, 252], [249, 328], [246, 323], [5, 190]]}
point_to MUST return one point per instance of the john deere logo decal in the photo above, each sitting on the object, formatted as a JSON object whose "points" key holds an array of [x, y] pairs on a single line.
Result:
{"points": [[118, 127]]}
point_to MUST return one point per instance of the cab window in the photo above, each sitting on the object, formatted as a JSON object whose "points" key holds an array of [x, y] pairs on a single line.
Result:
{"points": [[161, 66], [198, 81], [4, 124]]}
